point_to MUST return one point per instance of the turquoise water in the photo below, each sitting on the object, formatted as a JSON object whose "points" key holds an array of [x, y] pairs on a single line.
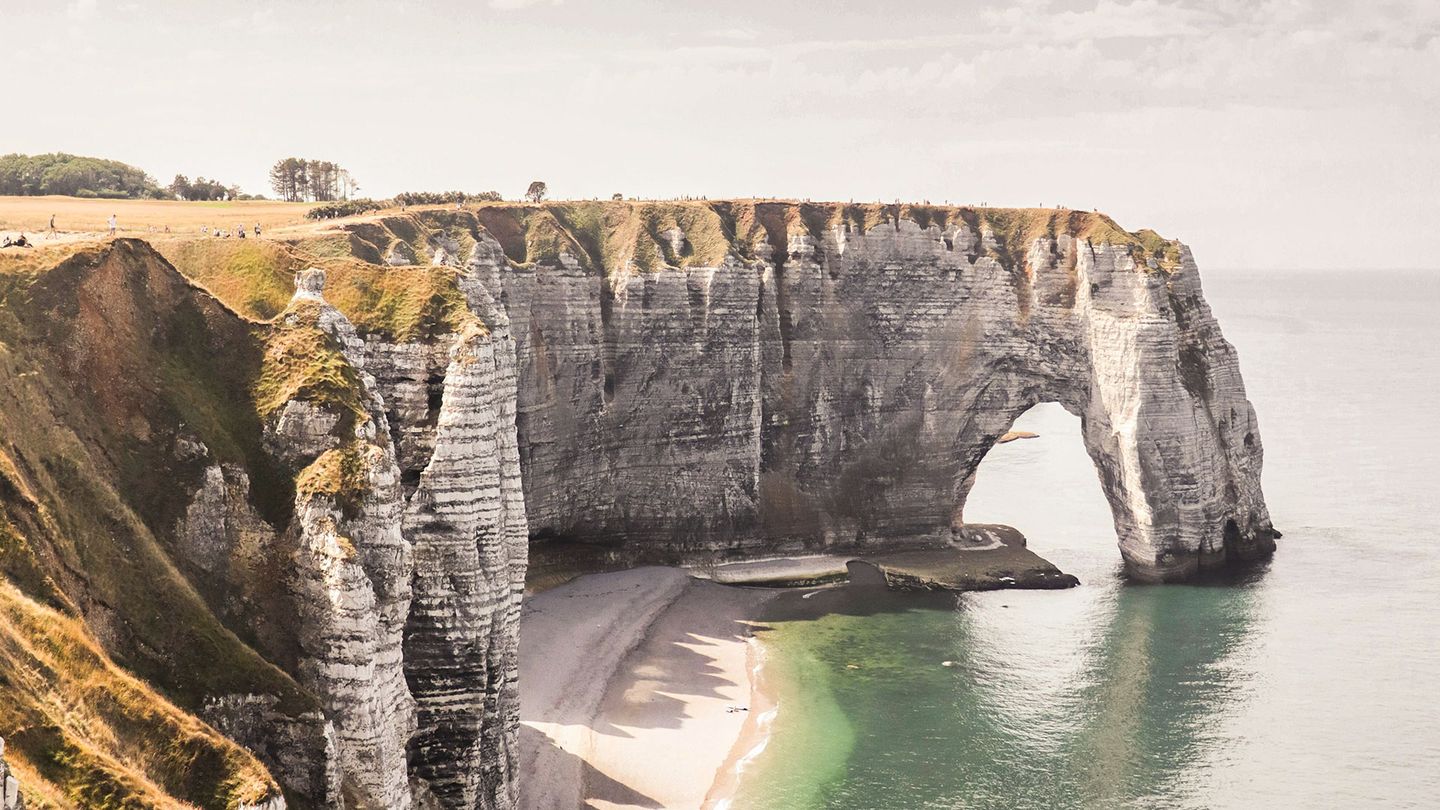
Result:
{"points": [[1310, 683]]}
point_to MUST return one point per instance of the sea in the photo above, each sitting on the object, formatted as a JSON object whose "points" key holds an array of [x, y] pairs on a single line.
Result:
{"points": [[1310, 682]]}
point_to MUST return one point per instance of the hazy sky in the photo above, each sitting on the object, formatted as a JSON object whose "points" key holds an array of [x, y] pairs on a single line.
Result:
{"points": [[1265, 133]]}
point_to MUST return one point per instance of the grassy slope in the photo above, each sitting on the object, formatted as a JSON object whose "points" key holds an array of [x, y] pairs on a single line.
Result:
{"points": [[84, 733], [109, 358], [256, 278]]}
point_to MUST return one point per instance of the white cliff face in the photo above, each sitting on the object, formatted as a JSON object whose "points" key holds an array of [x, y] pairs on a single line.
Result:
{"points": [[839, 388], [845, 393], [465, 517], [351, 579], [408, 568], [10, 798]]}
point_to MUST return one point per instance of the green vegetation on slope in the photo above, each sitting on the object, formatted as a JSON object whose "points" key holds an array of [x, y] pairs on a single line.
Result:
{"points": [[338, 474], [114, 365], [257, 279], [302, 362]]}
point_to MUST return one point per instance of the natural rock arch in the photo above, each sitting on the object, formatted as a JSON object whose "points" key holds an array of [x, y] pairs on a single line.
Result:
{"points": [[841, 388]]}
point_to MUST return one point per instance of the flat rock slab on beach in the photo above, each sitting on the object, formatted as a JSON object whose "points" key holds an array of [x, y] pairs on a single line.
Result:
{"points": [[983, 557]]}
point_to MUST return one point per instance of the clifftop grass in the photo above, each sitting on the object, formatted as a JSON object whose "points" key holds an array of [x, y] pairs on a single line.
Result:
{"points": [[303, 362], [256, 278], [608, 238], [614, 237]]}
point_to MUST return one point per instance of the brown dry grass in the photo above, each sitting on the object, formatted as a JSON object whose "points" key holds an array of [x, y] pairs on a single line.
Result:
{"points": [[136, 217], [85, 733]]}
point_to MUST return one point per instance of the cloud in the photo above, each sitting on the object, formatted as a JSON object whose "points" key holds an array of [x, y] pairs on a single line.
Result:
{"points": [[1108, 19], [733, 34], [512, 5], [81, 10]]}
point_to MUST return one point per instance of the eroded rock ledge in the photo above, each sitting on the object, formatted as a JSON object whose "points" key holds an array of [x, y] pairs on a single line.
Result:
{"points": [[990, 557]]}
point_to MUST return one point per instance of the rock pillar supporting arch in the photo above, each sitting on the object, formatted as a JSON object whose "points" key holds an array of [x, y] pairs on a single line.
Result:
{"points": [[1163, 416]]}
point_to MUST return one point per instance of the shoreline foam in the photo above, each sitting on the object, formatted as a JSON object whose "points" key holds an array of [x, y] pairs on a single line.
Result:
{"points": [[754, 735]]}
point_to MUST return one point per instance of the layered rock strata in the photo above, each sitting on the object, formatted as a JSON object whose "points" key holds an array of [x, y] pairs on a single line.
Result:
{"points": [[333, 504], [408, 595], [831, 385]]}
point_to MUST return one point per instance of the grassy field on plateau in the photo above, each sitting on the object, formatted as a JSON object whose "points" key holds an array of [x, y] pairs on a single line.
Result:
{"points": [[74, 214]]}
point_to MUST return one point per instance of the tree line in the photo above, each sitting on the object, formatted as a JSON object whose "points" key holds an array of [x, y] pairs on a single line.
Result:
{"points": [[293, 180], [81, 176], [75, 176], [300, 180], [444, 197], [201, 189]]}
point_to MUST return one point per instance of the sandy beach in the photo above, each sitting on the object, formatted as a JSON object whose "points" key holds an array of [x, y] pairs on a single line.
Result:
{"points": [[626, 679]]}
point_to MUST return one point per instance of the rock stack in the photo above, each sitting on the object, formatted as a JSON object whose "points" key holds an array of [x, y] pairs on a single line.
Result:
{"points": [[9, 785]]}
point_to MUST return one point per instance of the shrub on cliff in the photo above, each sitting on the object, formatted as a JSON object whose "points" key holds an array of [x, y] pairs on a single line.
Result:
{"points": [[444, 197], [345, 208]]}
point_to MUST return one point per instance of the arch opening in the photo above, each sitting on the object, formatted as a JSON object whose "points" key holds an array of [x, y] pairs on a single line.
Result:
{"points": [[1044, 483]]}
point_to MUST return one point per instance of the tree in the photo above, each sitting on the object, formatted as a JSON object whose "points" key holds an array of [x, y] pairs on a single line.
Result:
{"points": [[537, 191], [60, 173], [348, 186], [617, 196], [298, 179], [287, 179], [324, 181]]}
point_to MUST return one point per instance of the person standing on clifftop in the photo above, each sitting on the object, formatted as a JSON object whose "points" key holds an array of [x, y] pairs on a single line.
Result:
{"points": [[111, 223], [257, 230]]}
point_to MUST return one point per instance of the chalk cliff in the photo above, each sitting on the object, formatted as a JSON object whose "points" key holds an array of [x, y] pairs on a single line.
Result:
{"points": [[287, 493], [10, 798], [311, 537], [819, 376]]}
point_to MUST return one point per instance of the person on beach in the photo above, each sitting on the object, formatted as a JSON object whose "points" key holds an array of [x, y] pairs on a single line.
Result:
{"points": [[241, 229], [257, 230], [111, 223], [52, 223]]}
